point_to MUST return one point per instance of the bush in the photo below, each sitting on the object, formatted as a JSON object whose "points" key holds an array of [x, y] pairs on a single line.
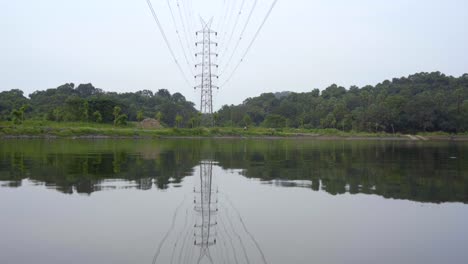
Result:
{"points": [[121, 120], [275, 121]]}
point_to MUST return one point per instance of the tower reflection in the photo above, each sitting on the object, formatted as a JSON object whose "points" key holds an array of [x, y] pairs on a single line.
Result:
{"points": [[206, 209], [212, 229]]}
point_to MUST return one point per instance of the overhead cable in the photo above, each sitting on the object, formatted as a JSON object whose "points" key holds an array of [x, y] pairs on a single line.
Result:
{"points": [[155, 17], [241, 35], [234, 28], [251, 43], [183, 25], [180, 39], [228, 22]]}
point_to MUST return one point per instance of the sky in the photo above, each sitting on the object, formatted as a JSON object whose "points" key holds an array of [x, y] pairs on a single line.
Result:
{"points": [[305, 44]]}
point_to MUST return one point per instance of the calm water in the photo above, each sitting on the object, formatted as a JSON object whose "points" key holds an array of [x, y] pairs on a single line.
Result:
{"points": [[233, 201]]}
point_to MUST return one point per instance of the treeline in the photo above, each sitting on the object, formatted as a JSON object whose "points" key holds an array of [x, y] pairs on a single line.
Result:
{"points": [[424, 102], [87, 103], [420, 102]]}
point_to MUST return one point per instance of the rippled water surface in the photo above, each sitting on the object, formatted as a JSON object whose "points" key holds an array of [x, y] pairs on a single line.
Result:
{"points": [[233, 201]]}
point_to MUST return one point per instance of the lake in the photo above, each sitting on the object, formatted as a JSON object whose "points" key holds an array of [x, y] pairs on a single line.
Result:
{"points": [[233, 201]]}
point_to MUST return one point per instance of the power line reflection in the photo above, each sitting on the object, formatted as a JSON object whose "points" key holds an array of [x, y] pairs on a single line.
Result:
{"points": [[209, 228]]}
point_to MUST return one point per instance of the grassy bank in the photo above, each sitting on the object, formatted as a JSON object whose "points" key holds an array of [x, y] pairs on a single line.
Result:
{"points": [[73, 129]]}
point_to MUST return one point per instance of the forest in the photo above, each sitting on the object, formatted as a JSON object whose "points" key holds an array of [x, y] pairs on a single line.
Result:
{"points": [[86, 103], [423, 102]]}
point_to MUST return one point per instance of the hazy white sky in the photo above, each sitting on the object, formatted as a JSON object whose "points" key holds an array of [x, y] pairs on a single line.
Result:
{"points": [[305, 44]]}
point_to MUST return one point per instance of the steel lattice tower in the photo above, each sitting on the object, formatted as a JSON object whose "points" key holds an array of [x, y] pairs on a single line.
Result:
{"points": [[206, 206], [206, 63]]}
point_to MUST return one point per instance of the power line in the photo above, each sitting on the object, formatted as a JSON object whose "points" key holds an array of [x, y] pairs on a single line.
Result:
{"points": [[233, 29], [188, 4], [174, 217], [179, 38], [219, 22], [252, 42], [246, 230], [242, 34], [183, 25], [155, 17], [189, 18], [221, 30], [228, 22]]}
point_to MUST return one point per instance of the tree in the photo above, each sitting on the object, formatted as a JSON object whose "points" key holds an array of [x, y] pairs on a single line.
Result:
{"points": [[16, 117], [22, 110], [329, 121], [140, 116], [121, 120], [333, 91], [192, 122], [57, 114], [178, 120], [10, 100], [71, 102], [215, 119], [247, 121], [159, 116], [105, 106], [86, 111], [164, 93], [419, 102], [87, 90], [275, 121], [116, 114], [315, 93], [97, 117], [199, 119]]}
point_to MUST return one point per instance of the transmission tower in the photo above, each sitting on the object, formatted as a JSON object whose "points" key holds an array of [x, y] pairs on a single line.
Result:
{"points": [[205, 62], [206, 206]]}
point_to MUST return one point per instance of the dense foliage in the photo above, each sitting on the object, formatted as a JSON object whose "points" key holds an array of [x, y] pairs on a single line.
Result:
{"points": [[89, 104], [420, 102], [424, 102]]}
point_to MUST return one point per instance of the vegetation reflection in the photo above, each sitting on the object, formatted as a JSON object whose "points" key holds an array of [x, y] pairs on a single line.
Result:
{"points": [[424, 171]]}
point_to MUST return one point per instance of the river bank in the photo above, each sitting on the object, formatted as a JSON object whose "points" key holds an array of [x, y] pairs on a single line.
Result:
{"points": [[51, 130]]}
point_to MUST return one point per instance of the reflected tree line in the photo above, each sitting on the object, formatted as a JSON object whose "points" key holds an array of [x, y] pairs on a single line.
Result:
{"points": [[83, 169], [426, 172]]}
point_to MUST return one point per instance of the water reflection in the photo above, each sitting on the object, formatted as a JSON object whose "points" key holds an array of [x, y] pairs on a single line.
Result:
{"points": [[211, 228], [425, 172]]}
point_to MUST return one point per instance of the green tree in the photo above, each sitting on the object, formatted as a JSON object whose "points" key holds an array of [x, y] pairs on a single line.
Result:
{"points": [[16, 116], [97, 117], [22, 111], [121, 120], [86, 111], [57, 114], [199, 119], [275, 121], [116, 114], [193, 122], [178, 120], [247, 121], [140, 116], [329, 121], [10, 100], [159, 116], [215, 119]]}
